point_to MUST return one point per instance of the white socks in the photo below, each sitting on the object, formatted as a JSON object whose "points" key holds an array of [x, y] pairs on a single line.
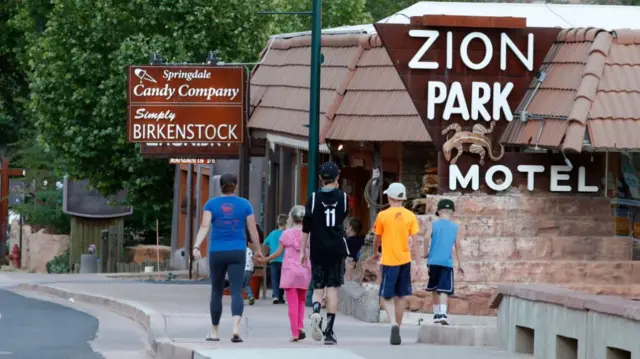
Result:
{"points": [[436, 309], [443, 309]]}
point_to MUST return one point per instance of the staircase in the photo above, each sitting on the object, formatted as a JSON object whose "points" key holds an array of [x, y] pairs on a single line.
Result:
{"points": [[560, 240]]}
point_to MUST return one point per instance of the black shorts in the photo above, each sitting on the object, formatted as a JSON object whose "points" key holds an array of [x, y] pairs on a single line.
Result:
{"points": [[327, 275], [396, 281], [440, 279]]}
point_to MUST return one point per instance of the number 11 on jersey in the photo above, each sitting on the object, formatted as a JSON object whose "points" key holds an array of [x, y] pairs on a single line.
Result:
{"points": [[331, 217]]}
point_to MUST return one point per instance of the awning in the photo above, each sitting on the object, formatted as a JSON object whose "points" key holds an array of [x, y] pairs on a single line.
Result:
{"points": [[292, 143]]}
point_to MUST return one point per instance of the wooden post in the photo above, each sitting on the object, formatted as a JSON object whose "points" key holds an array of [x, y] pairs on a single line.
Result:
{"points": [[376, 170], [188, 221], [176, 214], [104, 248]]}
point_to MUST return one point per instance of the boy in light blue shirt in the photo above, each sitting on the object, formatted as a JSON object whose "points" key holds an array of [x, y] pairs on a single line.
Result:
{"points": [[271, 245], [439, 246]]}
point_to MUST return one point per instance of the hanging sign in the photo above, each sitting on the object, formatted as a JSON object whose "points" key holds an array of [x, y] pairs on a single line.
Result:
{"points": [[186, 104]]}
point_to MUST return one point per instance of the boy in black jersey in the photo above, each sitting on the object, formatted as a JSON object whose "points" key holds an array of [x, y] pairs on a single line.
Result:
{"points": [[326, 211]]}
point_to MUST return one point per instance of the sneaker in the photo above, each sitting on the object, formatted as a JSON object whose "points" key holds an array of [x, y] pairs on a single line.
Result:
{"points": [[316, 326], [281, 301], [443, 319], [330, 338], [395, 336], [302, 335], [276, 301], [252, 300], [437, 318]]}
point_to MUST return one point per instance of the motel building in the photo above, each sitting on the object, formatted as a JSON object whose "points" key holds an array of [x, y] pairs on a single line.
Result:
{"points": [[526, 115]]}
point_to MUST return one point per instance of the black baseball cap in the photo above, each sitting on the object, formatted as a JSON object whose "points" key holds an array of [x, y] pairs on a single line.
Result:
{"points": [[228, 179], [329, 171], [445, 204]]}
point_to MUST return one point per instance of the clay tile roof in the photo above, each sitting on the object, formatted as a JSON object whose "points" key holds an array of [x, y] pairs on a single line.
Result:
{"points": [[376, 105], [362, 96], [590, 94]]}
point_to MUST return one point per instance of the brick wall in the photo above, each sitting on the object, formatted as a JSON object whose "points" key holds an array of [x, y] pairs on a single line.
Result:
{"points": [[414, 158]]}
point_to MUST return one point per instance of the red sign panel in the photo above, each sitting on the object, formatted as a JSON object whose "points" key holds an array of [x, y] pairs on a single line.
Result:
{"points": [[190, 150], [186, 104]]}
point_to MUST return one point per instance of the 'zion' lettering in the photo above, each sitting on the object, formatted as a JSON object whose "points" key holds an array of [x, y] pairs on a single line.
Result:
{"points": [[505, 42]]}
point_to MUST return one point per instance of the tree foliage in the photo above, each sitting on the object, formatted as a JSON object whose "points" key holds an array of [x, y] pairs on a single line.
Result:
{"points": [[335, 13], [380, 9], [78, 81]]}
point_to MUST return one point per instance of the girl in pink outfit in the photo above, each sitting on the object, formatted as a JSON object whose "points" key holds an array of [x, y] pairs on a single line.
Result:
{"points": [[295, 276]]}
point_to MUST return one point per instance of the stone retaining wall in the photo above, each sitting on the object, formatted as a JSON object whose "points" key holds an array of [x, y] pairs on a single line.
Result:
{"points": [[564, 240]]}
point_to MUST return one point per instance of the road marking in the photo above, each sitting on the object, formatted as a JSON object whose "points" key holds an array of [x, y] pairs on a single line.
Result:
{"points": [[6, 353]]}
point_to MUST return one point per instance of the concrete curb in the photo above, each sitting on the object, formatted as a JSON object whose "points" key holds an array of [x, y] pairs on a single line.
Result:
{"points": [[459, 335], [360, 303], [155, 323]]}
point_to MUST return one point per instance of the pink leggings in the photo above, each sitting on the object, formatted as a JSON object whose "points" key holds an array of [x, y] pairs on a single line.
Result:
{"points": [[295, 300]]}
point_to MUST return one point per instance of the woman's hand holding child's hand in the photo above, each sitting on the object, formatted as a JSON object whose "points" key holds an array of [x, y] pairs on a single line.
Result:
{"points": [[258, 258]]}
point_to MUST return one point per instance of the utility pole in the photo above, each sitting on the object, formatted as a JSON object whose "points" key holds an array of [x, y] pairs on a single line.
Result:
{"points": [[314, 101], [314, 109]]}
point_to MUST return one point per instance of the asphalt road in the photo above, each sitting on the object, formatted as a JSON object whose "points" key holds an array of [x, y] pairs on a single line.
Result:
{"points": [[35, 329]]}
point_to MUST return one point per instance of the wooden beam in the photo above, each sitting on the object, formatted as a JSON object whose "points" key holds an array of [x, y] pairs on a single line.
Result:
{"points": [[14, 172]]}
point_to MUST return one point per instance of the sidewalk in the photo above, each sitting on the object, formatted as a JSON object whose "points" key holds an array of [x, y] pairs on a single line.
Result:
{"points": [[176, 317]]}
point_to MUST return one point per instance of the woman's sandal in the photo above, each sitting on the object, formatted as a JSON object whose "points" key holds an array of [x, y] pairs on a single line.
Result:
{"points": [[236, 339], [211, 338], [302, 335]]}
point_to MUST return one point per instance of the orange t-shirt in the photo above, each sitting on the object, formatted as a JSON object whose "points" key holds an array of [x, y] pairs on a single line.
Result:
{"points": [[395, 225]]}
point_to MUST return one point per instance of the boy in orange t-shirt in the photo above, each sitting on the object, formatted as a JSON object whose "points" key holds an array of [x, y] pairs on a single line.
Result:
{"points": [[393, 228]]}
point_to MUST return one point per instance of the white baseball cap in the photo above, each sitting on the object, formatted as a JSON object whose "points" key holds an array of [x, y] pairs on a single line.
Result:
{"points": [[396, 190]]}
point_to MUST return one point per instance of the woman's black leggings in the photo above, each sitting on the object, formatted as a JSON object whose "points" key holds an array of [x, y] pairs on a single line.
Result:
{"points": [[221, 263]]}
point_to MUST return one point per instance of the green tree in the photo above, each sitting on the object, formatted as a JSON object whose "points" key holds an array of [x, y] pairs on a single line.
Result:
{"points": [[13, 85], [380, 9], [335, 13], [78, 81]]}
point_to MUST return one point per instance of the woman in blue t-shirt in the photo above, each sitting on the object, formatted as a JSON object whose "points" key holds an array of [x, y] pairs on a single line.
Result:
{"points": [[228, 216]]}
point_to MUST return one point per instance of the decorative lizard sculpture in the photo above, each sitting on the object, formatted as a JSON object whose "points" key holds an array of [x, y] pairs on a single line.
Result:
{"points": [[479, 142]]}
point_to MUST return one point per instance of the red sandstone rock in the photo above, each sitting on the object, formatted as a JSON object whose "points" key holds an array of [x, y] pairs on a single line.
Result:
{"points": [[415, 303], [528, 238], [636, 273]]}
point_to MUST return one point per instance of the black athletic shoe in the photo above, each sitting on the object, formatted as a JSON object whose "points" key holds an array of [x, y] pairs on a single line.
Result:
{"points": [[330, 338], [437, 318], [443, 319], [395, 336]]}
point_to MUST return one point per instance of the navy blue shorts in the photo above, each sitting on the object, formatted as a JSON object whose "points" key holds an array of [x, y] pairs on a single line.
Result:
{"points": [[396, 281], [440, 279]]}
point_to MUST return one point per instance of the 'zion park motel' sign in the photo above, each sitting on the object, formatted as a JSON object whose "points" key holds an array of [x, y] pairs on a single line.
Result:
{"points": [[465, 83], [186, 110]]}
